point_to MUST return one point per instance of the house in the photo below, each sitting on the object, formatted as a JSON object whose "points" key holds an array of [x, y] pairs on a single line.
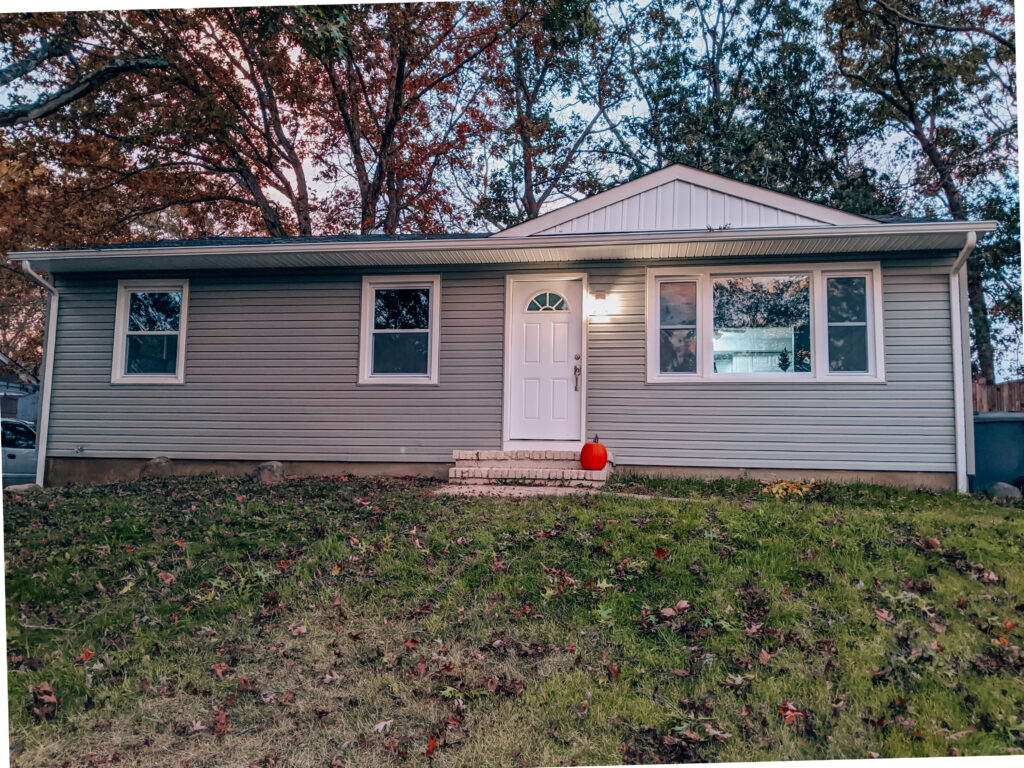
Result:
{"points": [[19, 391], [697, 324]]}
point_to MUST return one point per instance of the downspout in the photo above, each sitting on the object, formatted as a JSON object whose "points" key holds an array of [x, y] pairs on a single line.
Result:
{"points": [[956, 323], [47, 379]]}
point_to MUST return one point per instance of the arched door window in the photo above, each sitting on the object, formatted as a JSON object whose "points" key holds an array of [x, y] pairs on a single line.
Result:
{"points": [[547, 302]]}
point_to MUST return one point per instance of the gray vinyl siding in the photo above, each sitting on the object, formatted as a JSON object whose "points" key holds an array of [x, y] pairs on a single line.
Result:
{"points": [[906, 424], [271, 372]]}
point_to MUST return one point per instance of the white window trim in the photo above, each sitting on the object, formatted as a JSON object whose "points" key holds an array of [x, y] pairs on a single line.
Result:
{"points": [[819, 328], [372, 283], [654, 280], [875, 338], [124, 289]]}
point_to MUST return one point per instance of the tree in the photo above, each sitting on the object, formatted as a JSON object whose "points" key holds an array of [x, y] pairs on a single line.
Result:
{"points": [[936, 86], [399, 97], [68, 57], [741, 89], [555, 80]]}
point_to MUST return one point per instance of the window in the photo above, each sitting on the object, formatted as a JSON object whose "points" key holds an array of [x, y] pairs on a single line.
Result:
{"points": [[149, 345], [847, 297], [677, 317], [17, 435], [399, 329], [547, 302], [762, 324], [805, 323]]}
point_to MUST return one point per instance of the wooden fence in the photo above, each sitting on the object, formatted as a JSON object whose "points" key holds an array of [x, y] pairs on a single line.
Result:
{"points": [[1008, 396]]}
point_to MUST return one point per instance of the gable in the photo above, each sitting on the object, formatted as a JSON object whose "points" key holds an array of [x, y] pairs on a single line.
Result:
{"points": [[682, 198]]}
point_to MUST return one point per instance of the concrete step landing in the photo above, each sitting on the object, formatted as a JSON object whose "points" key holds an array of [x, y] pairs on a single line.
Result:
{"points": [[553, 468]]}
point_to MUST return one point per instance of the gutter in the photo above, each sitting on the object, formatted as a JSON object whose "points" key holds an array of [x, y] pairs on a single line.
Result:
{"points": [[961, 257], [499, 243], [963, 410], [42, 427]]}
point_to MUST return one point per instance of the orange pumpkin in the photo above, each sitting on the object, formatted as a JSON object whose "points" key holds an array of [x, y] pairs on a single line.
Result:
{"points": [[594, 455]]}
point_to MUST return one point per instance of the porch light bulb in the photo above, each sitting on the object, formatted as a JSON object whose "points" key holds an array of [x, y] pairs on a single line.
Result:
{"points": [[600, 305]]}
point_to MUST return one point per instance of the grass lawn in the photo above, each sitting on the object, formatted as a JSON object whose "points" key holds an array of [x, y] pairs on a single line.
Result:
{"points": [[210, 622]]}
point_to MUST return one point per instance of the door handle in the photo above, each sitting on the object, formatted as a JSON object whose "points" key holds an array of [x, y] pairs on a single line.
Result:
{"points": [[576, 371], [12, 456]]}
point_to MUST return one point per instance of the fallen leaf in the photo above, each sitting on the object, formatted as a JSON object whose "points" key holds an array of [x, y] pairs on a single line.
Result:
{"points": [[297, 628], [220, 723], [84, 656], [660, 553], [331, 677], [431, 746], [44, 701], [884, 615], [790, 713], [383, 726], [166, 578], [219, 669]]}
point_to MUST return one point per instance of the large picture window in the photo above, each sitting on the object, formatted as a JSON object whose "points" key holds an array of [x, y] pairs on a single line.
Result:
{"points": [[762, 324], [399, 329], [149, 343], [809, 323]]}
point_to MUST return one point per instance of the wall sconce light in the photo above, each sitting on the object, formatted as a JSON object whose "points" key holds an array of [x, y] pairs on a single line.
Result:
{"points": [[600, 305]]}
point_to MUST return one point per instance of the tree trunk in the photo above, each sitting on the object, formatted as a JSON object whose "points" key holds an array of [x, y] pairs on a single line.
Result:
{"points": [[975, 279], [980, 321]]}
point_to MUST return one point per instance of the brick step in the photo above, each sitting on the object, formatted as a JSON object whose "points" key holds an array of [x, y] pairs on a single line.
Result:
{"points": [[523, 459], [528, 475], [485, 482]]}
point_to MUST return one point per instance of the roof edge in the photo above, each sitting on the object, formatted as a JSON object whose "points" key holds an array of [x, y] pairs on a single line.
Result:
{"points": [[801, 240], [529, 241]]}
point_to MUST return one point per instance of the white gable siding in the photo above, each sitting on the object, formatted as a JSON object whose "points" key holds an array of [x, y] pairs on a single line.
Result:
{"points": [[681, 198], [680, 205]]}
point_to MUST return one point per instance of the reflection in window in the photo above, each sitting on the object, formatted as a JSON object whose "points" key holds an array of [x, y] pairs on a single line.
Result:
{"points": [[762, 324], [677, 301], [401, 331], [154, 323], [547, 302], [847, 324]]}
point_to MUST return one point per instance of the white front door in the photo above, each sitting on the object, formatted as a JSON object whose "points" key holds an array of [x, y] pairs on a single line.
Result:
{"points": [[545, 359]]}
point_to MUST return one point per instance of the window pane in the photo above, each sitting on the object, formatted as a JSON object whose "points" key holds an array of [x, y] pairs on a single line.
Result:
{"points": [[848, 348], [152, 354], [762, 324], [18, 436], [679, 303], [679, 351], [547, 302], [154, 311], [847, 299], [400, 352], [395, 308]]}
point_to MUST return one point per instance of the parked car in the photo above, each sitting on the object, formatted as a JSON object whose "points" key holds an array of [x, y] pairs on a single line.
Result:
{"points": [[18, 441]]}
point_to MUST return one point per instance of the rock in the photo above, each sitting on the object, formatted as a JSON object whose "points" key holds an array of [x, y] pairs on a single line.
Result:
{"points": [[159, 467], [269, 473], [1003, 491], [21, 488]]}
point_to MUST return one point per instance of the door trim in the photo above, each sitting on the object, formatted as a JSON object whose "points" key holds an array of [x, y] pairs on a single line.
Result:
{"points": [[510, 279]]}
